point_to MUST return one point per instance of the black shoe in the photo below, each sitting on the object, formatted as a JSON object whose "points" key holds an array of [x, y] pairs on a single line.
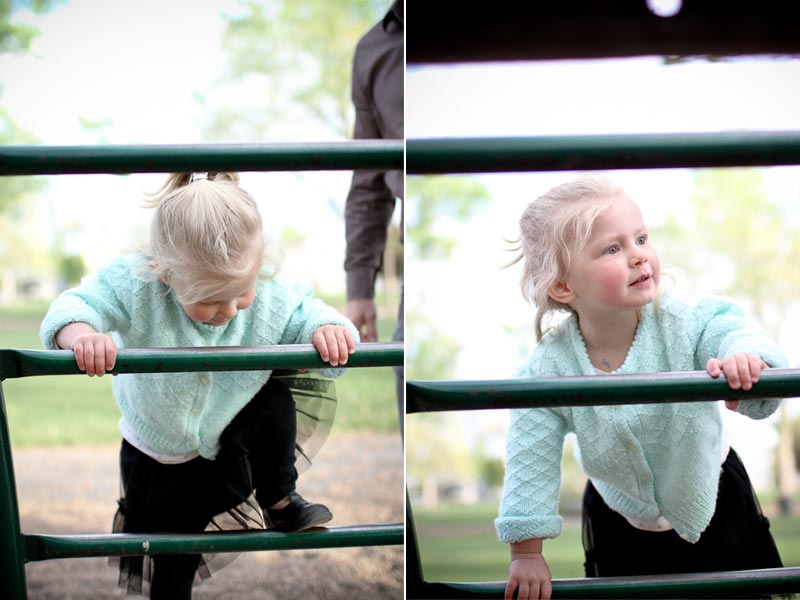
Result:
{"points": [[298, 515]]}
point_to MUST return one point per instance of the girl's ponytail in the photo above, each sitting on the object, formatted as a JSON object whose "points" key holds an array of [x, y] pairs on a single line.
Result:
{"points": [[176, 181]]}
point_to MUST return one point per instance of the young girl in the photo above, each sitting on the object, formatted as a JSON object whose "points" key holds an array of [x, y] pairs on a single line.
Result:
{"points": [[665, 492], [196, 445]]}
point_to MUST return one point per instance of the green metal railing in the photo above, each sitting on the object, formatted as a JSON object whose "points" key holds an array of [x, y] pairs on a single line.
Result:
{"points": [[550, 392], [585, 152], [431, 396], [322, 156], [18, 548]]}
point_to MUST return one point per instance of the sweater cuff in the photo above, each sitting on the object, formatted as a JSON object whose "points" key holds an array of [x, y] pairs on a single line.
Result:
{"points": [[517, 529]]}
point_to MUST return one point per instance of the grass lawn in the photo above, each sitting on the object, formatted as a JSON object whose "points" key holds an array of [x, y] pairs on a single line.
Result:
{"points": [[458, 543], [70, 409]]}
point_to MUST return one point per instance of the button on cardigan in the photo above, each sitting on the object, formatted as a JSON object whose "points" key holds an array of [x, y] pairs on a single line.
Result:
{"points": [[646, 460]]}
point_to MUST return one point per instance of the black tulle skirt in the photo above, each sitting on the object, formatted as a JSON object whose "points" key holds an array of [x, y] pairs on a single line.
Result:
{"points": [[223, 494], [738, 537]]}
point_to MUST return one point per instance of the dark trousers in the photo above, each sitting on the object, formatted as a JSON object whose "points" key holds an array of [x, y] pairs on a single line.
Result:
{"points": [[257, 453], [737, 538]]}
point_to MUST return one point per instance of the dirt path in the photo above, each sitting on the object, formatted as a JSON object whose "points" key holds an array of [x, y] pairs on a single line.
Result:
{"points": [[359, 476]]}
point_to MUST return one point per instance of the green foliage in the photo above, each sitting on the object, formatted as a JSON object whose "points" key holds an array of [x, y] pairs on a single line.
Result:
{"points": [[434, 198], [13, 36], [71, 268], [430, 352], [492, 471], [736, 226], [17, 37], [13, 189], [300, 54], [436, 449]]}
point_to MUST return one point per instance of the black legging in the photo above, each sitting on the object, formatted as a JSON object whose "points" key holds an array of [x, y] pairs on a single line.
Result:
{"points": [[257, 452]]}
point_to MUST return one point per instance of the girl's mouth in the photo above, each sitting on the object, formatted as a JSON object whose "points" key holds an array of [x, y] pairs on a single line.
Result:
{"points": [[643, 279]]}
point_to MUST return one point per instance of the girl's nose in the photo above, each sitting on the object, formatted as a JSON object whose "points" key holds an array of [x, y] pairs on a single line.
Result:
{"points": [[229, 310], [638, 257]]}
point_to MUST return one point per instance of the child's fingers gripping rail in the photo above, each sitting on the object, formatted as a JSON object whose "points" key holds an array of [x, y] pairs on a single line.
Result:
{"points": [[334, 344], [742, 370], [95, 353]]}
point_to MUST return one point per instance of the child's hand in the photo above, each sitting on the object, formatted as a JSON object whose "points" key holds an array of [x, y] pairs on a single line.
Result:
{"points": [[334, 344], [742, 371], [530, 577], [94, 352]]}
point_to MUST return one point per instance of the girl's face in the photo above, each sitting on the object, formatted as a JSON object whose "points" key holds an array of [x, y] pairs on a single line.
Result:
{"points": [[220, 308], [619, 268]]}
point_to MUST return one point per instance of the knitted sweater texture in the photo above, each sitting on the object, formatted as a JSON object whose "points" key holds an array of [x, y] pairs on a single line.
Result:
{"points": [[180, 413], [645, 460]]}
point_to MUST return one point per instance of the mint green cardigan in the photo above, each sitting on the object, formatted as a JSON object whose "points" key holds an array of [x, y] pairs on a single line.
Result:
{"points": [[645, 460], [180, 413]]}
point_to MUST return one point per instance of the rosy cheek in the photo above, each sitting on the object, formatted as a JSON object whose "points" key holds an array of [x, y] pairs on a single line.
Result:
{"points": [[610, 280], [199, 313]]}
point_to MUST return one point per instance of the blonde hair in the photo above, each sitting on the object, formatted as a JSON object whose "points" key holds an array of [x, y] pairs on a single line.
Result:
{"points": [[552, 229], [206, 235]]}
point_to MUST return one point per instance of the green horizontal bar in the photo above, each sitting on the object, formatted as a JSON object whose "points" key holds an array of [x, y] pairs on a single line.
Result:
{"points": [[323, 156], [587, 152], [48, 547], [31, 363], [432, 396], [739, 584]]}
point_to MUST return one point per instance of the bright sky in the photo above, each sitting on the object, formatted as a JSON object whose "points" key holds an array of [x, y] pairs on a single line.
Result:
{"points": [[136, 68], [476, 302]]}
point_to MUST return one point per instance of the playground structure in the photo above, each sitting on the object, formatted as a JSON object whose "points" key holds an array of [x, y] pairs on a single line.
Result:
{"points": [[18, 548], [585, 30]]}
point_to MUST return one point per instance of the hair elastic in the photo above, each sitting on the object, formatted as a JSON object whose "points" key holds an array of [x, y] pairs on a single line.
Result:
{"points": [[198, 177]]}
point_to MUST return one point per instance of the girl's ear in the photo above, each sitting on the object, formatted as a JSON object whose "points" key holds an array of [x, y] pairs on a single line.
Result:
{"points": [[561, 292], [164, 278]]}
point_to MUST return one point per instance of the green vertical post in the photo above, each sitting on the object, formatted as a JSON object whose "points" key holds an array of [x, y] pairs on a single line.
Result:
{"points": [[12, 555], [414, 582]]}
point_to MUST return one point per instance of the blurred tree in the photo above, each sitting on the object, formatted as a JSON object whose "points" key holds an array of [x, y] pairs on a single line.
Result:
{"points": [[429, 352], [12, 189], [71, 269], [738, 231], [437, 454], [288, 77], [16, 38], [433, 198], [293, 60], [20, 253]]}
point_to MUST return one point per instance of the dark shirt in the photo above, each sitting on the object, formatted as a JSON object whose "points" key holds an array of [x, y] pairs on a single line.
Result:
{"points": [[377, 92]]}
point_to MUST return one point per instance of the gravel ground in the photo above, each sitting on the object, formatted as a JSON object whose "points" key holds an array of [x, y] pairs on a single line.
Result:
{"points": [[359, 476]]}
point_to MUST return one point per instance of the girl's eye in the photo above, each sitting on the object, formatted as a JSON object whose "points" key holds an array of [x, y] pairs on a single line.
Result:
{"points": [[641, 240], [612, 249]]}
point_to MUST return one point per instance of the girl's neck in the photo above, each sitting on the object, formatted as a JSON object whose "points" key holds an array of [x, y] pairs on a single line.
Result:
{"points": [[608, 338]]}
